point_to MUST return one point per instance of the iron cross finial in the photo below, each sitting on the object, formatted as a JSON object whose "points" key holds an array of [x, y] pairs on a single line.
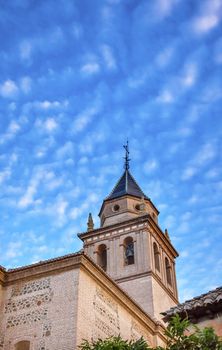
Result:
{"points": [[127, 159]]}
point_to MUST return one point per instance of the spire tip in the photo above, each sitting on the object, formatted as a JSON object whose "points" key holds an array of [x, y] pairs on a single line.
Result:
{"points": [[127, 159]]}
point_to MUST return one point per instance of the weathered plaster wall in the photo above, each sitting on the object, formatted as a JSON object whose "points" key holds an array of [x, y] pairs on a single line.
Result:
{"points": [[215, 323]]}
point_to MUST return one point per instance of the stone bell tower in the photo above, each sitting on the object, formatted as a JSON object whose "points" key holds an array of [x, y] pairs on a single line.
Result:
{"points": [[131, 247]]}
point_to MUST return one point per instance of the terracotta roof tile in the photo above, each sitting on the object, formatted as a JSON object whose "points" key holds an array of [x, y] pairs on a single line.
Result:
{"points": [[198, 306]]}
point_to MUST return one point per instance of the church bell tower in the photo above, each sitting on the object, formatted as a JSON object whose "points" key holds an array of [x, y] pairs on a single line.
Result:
{"points": [[131, 247]]}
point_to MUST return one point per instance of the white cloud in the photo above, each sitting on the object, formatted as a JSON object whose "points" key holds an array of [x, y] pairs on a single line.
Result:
{"points": [[28, 198], [212, 173], [9, 89], [209, 18], [184, 131], [49, 125], [14, 250], [205, 23], [12, 106], [190, 75], [206, 154], [25, 84], [90, 68], [184, 254], [170, 221], [12, 130], [164, 8], [5, 174], [77, 30], [54, 183], [83, 119], [137, 80], [165, 97], [150, 166], [188, 173], [164, 57], [60, 209], [193, 199], [13, 127], [108, 57], [75, 213], [25, 49], [183, 227], [65, 150], [45, 105]]}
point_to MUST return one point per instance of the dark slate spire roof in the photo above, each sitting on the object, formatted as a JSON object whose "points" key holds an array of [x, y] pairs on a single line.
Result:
{"points": [[126, 185]]}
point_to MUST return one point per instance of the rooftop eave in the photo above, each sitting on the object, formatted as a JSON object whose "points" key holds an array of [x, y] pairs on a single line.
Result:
{"points": [[144, 218], [206, 304]]}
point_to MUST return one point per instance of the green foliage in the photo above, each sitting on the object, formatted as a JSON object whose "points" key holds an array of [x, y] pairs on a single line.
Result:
{"points": [[178, 338], [115, 343]]}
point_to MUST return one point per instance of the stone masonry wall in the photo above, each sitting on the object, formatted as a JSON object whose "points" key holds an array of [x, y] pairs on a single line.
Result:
{"points": [[42, 311], [101, 315]]}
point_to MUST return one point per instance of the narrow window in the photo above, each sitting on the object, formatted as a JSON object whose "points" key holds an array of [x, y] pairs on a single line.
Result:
{"points": [[156, 257], [22, 345], [129, 251], [102, 256], [168, 271]]}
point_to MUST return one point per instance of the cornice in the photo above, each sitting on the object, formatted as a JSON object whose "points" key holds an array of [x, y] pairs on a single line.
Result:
{"points": [[2, 275], [43, 268], [163, 238], [110, 228], [127, 196], [125, 224]]}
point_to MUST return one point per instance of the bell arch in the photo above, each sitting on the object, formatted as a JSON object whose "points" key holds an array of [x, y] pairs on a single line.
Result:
{"points": [[129, 251], [102, 256], [168, 272], [156, 256]]}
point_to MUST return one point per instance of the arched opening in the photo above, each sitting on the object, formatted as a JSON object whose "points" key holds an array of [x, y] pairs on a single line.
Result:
{"points": [[156, 256], [129, 251], [168, 272], [102, 256], [23, 345]]}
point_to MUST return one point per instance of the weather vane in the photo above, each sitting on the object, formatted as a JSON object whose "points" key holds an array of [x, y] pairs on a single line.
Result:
{"points": [[127, 159]]}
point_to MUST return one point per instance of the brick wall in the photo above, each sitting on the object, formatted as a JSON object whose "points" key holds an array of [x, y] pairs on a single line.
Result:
{"points": [[42, 311], [101, 315]]}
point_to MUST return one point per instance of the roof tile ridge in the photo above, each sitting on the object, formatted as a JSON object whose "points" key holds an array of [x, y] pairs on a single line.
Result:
{"points": [[46, 261], [199, 298]]}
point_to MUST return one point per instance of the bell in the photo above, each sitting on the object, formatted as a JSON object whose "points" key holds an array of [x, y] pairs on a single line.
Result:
{"points": [[129, 251]]}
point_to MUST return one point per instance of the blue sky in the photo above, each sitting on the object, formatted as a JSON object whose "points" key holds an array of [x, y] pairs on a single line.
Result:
{"points": [[79, 77]]}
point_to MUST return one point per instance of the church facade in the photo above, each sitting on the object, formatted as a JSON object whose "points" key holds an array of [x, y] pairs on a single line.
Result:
{"points": [[118, 284]]}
